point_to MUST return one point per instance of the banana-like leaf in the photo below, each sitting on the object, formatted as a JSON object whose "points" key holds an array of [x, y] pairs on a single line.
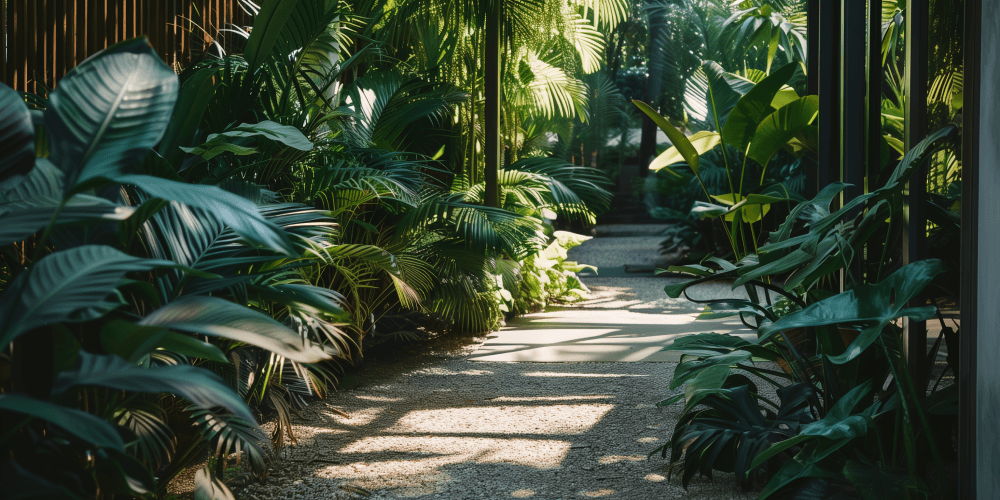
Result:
{"points": [[71, 285], [40, 187], [703, 142], [680, 142], [201, 387], [22, 222], [84, 426], [753, 107], [220, 318], [109, 111], [268, 24], [17, 138], [873, 306], [781, 126]]}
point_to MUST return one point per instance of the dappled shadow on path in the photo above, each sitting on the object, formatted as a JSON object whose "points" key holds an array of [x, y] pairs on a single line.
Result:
{"points": [[496, 430]]}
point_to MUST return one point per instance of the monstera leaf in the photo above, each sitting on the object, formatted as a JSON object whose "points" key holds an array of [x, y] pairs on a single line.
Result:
{"points": [[17, 138], [871, 306], [732, 430], [201, 387], [220, 318], [108, 112], [71, 285]]}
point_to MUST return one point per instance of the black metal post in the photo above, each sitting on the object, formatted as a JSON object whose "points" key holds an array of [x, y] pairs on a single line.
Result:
{"points": [[828, 79], [873, 163], [494, 45], [915, 129], [854, 34], [812, 79], [968, 340]]}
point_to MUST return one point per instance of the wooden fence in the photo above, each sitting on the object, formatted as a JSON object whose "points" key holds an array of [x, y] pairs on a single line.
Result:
{"points": [[47, 38]]}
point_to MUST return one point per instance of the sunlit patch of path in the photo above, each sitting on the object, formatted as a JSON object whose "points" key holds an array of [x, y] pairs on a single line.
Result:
{"points": [[454, 424]]}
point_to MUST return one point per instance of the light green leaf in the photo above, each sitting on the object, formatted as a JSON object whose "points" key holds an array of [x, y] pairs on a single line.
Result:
{"points": [[688, 152], [702, 142], [284, 134], [780, 127], [754, 107]]}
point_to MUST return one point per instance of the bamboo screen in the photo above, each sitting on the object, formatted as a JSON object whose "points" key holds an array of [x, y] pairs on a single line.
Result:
{"points": [[44, 39]]}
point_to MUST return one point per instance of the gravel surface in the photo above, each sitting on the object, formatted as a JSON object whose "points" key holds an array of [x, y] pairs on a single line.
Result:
{"points": [[425, 422], [438, 426]]}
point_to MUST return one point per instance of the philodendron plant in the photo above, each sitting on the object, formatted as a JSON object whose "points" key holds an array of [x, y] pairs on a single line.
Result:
{"points": [[748, 133], [126, 296], [849, 422]]}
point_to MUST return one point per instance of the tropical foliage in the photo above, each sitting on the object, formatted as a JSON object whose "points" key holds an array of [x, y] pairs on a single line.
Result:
{"points": [[186, 253], [850, 420]]}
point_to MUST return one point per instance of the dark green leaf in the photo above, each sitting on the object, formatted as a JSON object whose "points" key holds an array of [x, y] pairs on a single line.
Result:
{"points": [[17, 138], [220, 318], [72, 285], [753, 107], [82, 425], [201, 387], [874, 306], [109, 111]]}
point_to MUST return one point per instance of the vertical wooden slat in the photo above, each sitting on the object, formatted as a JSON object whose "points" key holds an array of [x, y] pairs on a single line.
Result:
{"points": [[3, 37]]}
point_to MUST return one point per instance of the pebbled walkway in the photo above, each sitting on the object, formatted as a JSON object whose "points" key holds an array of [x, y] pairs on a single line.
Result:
{"points": [[434, 424]]}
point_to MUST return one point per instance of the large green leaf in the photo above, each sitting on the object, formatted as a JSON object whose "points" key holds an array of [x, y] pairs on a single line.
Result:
{"points": [[83, 425], [877, 482], [20, 222], [17, 138], [781, 126], [753, 107], [192, 101], [702, 142], [238, 213], [680, 142], [267, 27], [71, 285], [132, 342], [201, 387], [872, 306], [284, 134], [42, 186], [709, 96], [220, 318], [109, 111], [838, 427]]}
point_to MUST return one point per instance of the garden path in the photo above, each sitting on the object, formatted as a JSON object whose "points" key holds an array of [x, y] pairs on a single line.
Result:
{"points": [[453, 422]]}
